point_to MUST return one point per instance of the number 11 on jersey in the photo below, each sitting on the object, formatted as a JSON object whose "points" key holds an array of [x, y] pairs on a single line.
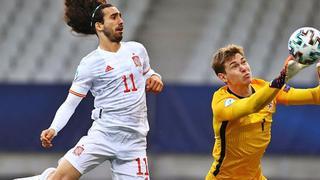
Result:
{"points": [[127, 89]]}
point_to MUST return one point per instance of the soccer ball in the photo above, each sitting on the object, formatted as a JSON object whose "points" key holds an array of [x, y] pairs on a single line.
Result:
{"points": [[304, 45]]}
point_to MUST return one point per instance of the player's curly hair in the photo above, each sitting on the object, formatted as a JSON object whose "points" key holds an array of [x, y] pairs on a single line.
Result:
{"points": [[224, 54], [81, 15]]}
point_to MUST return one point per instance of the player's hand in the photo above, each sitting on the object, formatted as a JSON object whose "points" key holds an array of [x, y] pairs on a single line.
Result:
{"points": [[154, 84], [46, 137], [293, 67]]}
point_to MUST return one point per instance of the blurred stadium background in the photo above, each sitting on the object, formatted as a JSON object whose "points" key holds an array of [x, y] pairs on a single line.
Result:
{"points": [[39, 56]]}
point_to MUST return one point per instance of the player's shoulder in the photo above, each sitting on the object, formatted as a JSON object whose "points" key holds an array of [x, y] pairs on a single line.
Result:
{"points": [[221, 93], [133, 45], [258, 82], [91, 58]]}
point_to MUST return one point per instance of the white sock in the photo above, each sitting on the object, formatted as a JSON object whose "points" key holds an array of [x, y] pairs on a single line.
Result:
{"points": [[43, 176], [46, 173], [29, 178]]}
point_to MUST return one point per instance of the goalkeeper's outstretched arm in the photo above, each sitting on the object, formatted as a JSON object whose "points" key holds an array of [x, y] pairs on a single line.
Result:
{"points": [[292, 96]]}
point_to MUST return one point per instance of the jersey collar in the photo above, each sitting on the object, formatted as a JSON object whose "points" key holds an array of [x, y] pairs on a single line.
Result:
{"points": [[240, 97], [109, 52]]}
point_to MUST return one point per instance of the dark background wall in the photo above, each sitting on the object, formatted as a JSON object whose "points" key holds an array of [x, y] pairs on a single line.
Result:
{"points": [[180, 120]]}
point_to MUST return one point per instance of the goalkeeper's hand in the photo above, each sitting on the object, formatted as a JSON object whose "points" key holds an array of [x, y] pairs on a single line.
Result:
{"points": [[293, 67], [290, 69]]}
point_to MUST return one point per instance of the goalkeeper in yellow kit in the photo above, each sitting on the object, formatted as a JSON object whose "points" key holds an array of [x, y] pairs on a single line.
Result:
{"points": [[242, 113]]}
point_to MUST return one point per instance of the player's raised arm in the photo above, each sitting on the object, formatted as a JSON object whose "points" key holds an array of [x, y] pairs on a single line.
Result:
{"points": [[303, 46], [61, 118], [293, 96]]}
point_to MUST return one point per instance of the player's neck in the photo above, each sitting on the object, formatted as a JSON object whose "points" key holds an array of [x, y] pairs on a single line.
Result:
{"points": [[242, 91], [109, 46]]}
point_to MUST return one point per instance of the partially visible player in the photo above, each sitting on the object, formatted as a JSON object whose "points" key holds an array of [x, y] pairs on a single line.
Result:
{"points": [[242, 113], [117, 74]]}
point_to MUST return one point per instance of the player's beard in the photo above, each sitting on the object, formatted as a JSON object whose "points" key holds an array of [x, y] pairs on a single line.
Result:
{"points": [[113, 37]]}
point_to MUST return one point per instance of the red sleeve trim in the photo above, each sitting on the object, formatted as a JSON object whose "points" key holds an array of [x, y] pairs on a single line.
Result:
{"points": [[77, 94]]}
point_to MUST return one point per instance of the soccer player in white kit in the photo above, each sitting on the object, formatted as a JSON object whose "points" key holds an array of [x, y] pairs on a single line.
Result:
{"points": [[117, 74]]}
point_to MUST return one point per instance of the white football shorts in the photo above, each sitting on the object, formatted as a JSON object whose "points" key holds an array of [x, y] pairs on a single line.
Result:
{"points": [[124, 149]]}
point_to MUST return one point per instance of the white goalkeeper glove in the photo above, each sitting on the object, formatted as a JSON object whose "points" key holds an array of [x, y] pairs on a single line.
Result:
{"points": [[293, 67]]}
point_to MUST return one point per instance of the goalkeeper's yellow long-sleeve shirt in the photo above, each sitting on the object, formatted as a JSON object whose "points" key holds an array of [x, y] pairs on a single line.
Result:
{"points": [[242, 127]]}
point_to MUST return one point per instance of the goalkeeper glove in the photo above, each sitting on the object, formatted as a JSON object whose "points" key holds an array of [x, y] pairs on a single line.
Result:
{"points": [[293, 68], [290, 69]]}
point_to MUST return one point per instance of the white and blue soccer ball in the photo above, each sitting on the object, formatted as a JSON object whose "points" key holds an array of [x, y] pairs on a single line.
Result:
{"points": [[304, 45]]}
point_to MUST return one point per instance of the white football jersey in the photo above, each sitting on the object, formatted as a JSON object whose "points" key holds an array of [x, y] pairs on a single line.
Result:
{"points": [[117, 82]]}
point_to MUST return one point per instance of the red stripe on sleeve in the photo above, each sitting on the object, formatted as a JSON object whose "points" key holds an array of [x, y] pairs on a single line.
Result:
{"points": [[77, 94]]}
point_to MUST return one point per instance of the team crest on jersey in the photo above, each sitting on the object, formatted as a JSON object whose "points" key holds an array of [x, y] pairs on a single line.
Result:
{"points": [[136, 60], [228, 102], [78, 150]]}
